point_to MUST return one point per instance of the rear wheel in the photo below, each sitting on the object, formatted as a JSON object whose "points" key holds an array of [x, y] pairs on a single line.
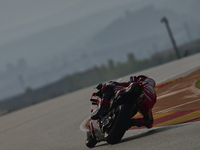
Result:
{"points": [[120, 126]]}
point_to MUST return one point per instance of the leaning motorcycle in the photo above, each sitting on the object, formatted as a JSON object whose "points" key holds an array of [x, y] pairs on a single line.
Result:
{"points": [[123, 106]]}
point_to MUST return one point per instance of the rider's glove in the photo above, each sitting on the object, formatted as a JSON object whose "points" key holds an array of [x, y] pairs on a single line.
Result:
{"points": [[99, 86], [99, 94]]}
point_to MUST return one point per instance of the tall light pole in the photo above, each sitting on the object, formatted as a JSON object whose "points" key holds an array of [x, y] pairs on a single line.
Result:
{"points": [[164, 19]]}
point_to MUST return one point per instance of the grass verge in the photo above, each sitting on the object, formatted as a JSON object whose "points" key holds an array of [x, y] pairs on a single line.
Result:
{"points": [[197, 84]]}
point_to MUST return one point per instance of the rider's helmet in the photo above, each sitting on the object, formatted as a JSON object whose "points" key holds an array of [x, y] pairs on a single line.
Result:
{"points": [[146, 79], [141, 77]]}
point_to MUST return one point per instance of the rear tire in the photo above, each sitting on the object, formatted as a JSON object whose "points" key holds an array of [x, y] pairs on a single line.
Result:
{"points": [[120, 126]]}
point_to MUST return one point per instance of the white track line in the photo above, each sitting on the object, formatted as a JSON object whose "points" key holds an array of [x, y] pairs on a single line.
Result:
{"points": [[168, 109]]}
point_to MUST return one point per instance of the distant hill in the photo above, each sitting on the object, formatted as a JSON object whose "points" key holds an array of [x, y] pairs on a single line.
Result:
{"points": [[133, 26], [139, 32]]}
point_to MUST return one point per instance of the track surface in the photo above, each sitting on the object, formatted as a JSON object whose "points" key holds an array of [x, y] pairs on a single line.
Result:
{"points": [[178, 101], [54, 125]]}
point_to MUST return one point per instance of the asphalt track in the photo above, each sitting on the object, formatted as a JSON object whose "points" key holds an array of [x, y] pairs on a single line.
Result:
{"points": [[55, 124]]}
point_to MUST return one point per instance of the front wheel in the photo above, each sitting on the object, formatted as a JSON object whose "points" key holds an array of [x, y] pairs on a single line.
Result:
{"points": [[120, 125], [90, 141]]}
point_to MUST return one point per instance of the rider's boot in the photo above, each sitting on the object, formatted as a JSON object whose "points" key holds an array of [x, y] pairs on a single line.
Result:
{"points": [[141, 122], [102, 111]]}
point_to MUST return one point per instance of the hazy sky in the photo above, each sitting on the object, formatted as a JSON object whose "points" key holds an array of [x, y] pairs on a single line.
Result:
{"points": [[16, 12], [19, 18], [22, 17]]}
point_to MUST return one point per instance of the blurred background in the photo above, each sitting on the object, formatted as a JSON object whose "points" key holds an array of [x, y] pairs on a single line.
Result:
{"points": [[48, 47]]}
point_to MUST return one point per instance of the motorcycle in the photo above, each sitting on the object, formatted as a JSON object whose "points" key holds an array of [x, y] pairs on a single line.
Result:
{"points": [[123, 106]]}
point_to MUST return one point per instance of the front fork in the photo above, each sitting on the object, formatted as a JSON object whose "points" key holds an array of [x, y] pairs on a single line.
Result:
{"points": [[96, 131], [98, 128], [107, 121]]}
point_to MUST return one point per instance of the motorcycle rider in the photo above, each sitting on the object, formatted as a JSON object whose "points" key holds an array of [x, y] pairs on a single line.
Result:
{"points": [[107, 91]]}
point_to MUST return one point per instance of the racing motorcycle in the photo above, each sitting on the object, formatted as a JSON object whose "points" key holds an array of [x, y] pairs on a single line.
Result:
{"points": [[123, 106]]}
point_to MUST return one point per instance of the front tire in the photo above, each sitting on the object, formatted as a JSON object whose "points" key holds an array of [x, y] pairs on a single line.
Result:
{"points": [[90, 141], [120, 126]]}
